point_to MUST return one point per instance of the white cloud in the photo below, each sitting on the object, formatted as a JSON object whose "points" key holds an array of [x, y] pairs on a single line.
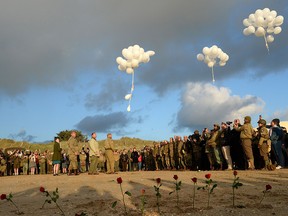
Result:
{"points": [[205, 104]]}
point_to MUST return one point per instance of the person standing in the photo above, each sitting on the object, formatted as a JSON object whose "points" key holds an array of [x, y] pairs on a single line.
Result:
{"points": [[73, 152], [56, 158], [246, 135], [94, 154], [109, 149], [276, 136], [263, 141], [224, 140], [134, 157]]}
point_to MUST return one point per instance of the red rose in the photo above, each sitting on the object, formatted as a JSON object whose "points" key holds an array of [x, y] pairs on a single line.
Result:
{"points": [[3, 196], [268, 187], [119, 180], [42, 189], [143, 191], [194, 180], [208, 176], [235, 173], [175, 177], [158, 180]]}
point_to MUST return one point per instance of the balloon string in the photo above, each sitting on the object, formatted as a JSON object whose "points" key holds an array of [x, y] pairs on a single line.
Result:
{"points": [[213, 79], [266, 43], [132, 88]]}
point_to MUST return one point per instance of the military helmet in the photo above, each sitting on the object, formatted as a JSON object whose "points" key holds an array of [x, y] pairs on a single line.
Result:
{"points": [[262, 121]]}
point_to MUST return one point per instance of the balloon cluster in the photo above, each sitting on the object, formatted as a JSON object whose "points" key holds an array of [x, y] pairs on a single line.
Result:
{"points": [[133, 56], [213, 56], [263, 23]]}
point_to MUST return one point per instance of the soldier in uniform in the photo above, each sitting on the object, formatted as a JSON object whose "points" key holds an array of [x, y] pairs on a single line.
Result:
{"points": [[156, 154], [109, 149], [180, 153], [171, 145], [25, 160], [94, 154], [214, 150], [263, 141], [2, 166], [42, 163], [246, 135], [165, 155], [73, 152], [116, 156], [82, 157]]}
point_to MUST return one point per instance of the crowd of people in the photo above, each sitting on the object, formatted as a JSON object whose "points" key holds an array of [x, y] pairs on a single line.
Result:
{"points": [[230, 145]]}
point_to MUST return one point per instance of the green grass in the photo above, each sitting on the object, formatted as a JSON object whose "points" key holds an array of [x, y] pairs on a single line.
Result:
{"points": [[124, 142]]}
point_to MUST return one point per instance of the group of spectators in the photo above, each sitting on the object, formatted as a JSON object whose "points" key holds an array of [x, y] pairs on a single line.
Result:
{"points": [[230, 145]]}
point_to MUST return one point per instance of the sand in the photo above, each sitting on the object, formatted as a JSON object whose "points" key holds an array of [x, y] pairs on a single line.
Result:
{"points": [[94, 195]]}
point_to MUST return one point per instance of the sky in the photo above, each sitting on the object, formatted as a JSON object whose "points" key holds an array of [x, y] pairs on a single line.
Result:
{"points": [[58, 67]]}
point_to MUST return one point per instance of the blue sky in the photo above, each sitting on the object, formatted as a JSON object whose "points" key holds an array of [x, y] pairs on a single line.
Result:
{"points": [[58, 68]]}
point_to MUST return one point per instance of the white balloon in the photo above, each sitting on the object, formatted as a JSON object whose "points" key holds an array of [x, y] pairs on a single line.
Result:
{"points": [[210, 64], [141, 50], [270, 30], [214, 50], [124, 52], [222, 63], [129, 55], [279, 20], [270, 38], [119, 60], [259, 13], [121, 68], [206, 51], [150, 53], [128, 96], [129, 70], [269, 18], [260, 21], [246, 22], [200, 57], [246, 32], [277, 30], [135, 63], [145, 57], [128, 108], [129, 64], [266, 12], [251, 29], [136, 47], [260, 32], [273, 13], [136, 54], [252, 18]]}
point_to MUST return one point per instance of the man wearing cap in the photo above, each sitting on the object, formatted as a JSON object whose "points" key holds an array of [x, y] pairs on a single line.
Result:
{"points": [[214, 151], [109, 149], [246, 135], [263, 137], [73, 152]]}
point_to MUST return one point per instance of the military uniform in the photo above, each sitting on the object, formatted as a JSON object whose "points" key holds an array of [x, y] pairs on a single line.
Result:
{"points": [[165, 155], [73, 151], [246, 134], [180, 154], [109, 149], [42, 163], [82, 158], [214, 151], [264, 141], [2, 166], [171, 146], [25, 164], [93, 156]]}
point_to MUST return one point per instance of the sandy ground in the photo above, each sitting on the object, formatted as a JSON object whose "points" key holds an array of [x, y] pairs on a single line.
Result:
{"points": [[95, 194]]}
